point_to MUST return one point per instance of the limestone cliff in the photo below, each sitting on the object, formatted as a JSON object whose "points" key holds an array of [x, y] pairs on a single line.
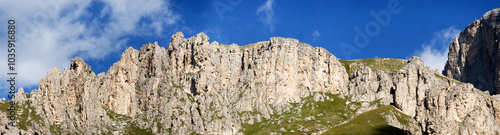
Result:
{"points": [[193, 86], [474, 57]]}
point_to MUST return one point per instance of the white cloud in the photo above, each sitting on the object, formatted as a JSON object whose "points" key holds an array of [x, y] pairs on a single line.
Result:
{"points": [[316, 35], [435, 52], [51, 33], [435, 58], [266, 13]]}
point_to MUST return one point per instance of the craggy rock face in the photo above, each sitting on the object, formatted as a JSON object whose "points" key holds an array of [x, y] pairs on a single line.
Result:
{"points": [[190, 86], [196, 86], [475, 56]]}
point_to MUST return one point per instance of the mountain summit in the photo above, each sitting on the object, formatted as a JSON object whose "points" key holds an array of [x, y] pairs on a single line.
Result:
{"points": [[475, 56]]}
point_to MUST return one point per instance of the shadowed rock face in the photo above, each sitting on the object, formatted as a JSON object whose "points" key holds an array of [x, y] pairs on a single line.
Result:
{"points": [[475, 56]]}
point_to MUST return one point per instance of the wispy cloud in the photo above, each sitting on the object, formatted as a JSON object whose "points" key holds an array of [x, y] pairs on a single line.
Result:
{"points": [[51, 33], [266, 14], [316, 35], [435, 52]]}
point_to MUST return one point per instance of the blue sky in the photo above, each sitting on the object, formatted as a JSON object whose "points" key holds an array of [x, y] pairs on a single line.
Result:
{"points": [[51, 33]]}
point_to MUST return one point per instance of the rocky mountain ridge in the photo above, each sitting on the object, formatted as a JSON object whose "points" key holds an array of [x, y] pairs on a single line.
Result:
{"points": [[278, 86]]}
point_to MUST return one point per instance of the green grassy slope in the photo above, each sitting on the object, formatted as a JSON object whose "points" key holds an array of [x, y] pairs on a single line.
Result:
{"points": [[25, 114], [299, 120], [388, 65], [371, 123]]}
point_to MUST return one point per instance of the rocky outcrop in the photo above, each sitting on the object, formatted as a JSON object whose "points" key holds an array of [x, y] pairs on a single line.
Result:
{"points": [[436, 104], [441, 105], [193, 86], [474, 57]]}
